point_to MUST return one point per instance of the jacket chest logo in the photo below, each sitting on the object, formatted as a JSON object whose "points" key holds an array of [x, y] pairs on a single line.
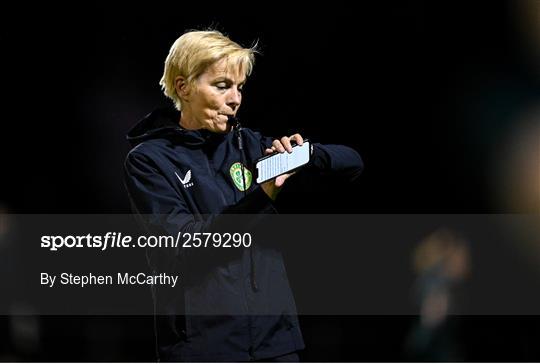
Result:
{"points": [[186, 181], [236, 175]]}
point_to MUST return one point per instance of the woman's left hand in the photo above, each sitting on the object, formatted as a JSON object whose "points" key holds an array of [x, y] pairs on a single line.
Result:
{"points": [[284, 144]]}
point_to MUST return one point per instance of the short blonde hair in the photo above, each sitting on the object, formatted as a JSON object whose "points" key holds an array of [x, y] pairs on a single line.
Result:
{"points": [[195, 51]]}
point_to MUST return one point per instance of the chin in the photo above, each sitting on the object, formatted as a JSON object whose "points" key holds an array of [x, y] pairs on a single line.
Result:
{"points": [[222, 128]]}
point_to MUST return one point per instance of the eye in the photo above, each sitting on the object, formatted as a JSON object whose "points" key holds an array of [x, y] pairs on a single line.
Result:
{"points": [[221, 86]]}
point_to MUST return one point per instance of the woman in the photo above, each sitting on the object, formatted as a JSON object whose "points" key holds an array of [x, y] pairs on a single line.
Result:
{"points": [[183, 175]]}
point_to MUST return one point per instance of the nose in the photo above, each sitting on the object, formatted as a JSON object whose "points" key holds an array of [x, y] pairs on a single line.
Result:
{"points": [[234, 98]]}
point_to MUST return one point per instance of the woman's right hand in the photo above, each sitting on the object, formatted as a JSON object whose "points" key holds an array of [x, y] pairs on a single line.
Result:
{"points": [[272, 187]]}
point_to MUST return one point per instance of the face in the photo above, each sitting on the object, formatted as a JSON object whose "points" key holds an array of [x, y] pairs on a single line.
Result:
{"points": [[214, 95]]}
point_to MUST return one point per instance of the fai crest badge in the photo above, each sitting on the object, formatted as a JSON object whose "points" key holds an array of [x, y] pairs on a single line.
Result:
{"points": [[236, 174]]}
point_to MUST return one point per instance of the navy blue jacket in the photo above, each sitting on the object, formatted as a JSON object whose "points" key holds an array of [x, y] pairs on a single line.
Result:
{"points": [[182, 180]]}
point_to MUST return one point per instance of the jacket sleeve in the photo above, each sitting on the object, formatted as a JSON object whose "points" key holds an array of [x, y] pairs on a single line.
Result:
{"points": [[164, 211], [331, 158]]}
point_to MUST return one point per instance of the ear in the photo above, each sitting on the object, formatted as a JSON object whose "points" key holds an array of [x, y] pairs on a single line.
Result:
{"points": [[182, 88]]}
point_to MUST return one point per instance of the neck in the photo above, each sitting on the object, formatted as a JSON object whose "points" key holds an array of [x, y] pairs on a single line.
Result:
{"points": [[186, 121]]}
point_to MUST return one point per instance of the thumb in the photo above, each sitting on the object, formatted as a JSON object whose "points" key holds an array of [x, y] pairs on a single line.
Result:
{"points": [[280, 180]]}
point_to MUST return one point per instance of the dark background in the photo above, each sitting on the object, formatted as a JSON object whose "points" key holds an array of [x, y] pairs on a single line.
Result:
{"points": [[435, 97]]}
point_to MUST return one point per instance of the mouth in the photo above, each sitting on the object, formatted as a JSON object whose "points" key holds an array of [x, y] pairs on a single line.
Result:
{"points": [[226, 117]]}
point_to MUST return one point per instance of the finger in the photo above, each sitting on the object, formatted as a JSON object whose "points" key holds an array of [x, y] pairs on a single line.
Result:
{"points": [[278, 146], [297, 138], [287, 144], [269, 151], [280, 180]]}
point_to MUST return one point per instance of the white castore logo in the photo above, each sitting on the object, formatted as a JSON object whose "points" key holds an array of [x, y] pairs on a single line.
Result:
{"points": [[186, 180]]}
